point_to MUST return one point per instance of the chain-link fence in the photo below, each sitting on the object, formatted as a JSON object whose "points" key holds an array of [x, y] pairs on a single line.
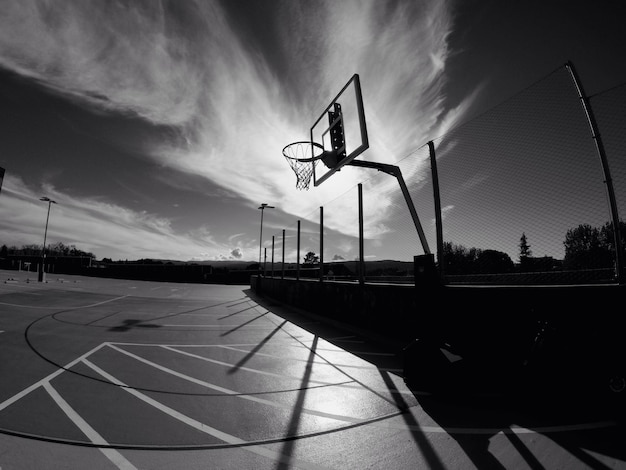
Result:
{"points": [[520, 194]]}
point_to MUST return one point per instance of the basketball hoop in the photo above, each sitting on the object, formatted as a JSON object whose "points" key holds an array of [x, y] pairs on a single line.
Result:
{"points": [[302, 158]]}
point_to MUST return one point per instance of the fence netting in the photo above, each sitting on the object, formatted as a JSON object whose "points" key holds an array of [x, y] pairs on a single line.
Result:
{"points": [[523, 199]]}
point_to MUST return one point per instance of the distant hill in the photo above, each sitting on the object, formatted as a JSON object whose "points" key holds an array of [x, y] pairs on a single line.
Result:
{"points": [[230, 264]]}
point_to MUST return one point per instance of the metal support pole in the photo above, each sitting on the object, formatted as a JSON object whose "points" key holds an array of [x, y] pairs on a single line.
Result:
{"points": [[42, 271], [298, 255], [395, 171], [265, 261], [272, 255], [263, 206], [261, 236], [321, 244], [437, 198], [619, 254], [361, 241], [282, 276]]}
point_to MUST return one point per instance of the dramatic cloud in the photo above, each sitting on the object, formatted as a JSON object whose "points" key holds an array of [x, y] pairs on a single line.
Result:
{"points": [[186, 66], [94, 226]]}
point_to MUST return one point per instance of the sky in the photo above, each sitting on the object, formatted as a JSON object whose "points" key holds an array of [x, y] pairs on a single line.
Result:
{"points": [[158, 126]]}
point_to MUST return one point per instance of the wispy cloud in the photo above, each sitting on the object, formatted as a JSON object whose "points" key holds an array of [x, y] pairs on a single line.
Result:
{"points": [[184, 65], [95, 226]]}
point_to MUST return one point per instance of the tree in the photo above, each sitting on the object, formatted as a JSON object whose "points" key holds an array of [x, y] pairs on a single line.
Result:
{"points": [[585, 248], [459, 259], [311, 258], [524, 248], [607, 236], [4, 251], [493, 261]]}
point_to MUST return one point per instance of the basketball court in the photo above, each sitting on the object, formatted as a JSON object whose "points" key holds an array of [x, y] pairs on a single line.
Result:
{"points": [[132, 374]]}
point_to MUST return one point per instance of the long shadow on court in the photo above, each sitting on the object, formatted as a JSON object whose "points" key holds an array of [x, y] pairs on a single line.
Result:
{"points": [[490, 416], [517, 423], [130, 324], [434, 462], [254, 350], [385, 355], [296, 413]]}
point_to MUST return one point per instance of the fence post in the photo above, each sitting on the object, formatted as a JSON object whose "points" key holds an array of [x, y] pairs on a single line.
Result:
{"points": [[605, 167], [437, 198], [282, 276], [298, 254], [321, 244], [361, 242], [272, 255]]}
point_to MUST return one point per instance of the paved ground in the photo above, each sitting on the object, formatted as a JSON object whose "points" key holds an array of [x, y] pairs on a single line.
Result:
{"points": [[104, 374]]}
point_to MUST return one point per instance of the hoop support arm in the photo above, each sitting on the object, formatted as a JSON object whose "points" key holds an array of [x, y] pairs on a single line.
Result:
{"points": [[397, 173]]}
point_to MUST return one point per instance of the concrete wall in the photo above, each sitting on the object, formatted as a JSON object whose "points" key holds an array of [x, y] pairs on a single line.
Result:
{"points": [[481, 318], [387, 309]]}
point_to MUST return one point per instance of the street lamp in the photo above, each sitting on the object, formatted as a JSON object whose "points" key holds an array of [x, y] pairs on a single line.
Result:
{"points": [[45, 235], [262, 207]]}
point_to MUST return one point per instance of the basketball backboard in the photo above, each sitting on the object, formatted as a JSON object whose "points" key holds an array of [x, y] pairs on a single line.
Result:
{"points": [[340, 130]]}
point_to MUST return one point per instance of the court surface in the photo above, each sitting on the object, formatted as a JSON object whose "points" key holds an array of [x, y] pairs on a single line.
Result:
{"points": [[104, 374]]}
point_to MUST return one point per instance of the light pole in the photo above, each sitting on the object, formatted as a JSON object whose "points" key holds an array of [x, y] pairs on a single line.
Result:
{"points": [[45, 235], [262, 207]]}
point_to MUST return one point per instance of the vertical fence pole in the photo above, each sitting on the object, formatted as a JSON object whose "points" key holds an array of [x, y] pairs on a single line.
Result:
{"points": [[619, 254], [298, 255], [282, 276], [272, 255], [265, 261], [321, 244], [361, 242], [437, 198]]}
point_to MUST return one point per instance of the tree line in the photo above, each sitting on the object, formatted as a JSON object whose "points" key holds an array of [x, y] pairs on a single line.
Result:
{"points": [[586, 247], [56, 249]]}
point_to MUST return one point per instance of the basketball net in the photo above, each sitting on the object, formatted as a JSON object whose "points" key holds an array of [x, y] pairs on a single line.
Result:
{"points": [[302, 158]]}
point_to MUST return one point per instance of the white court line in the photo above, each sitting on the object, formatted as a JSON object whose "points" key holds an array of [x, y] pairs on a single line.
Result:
{"points": [[214, 314], [341, 385], [60, 307], [30, 306], [339, 349], [234, 347], [237, 394], [228, 438], [47, 379], [379, 423], [319, 361], [248, 369], [153, 345], [113, 455], [355, 341], [198, 325], [247, 328]]}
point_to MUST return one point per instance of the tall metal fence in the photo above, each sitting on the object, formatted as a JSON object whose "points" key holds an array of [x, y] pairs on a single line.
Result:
{"points": [[528, 192]]}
